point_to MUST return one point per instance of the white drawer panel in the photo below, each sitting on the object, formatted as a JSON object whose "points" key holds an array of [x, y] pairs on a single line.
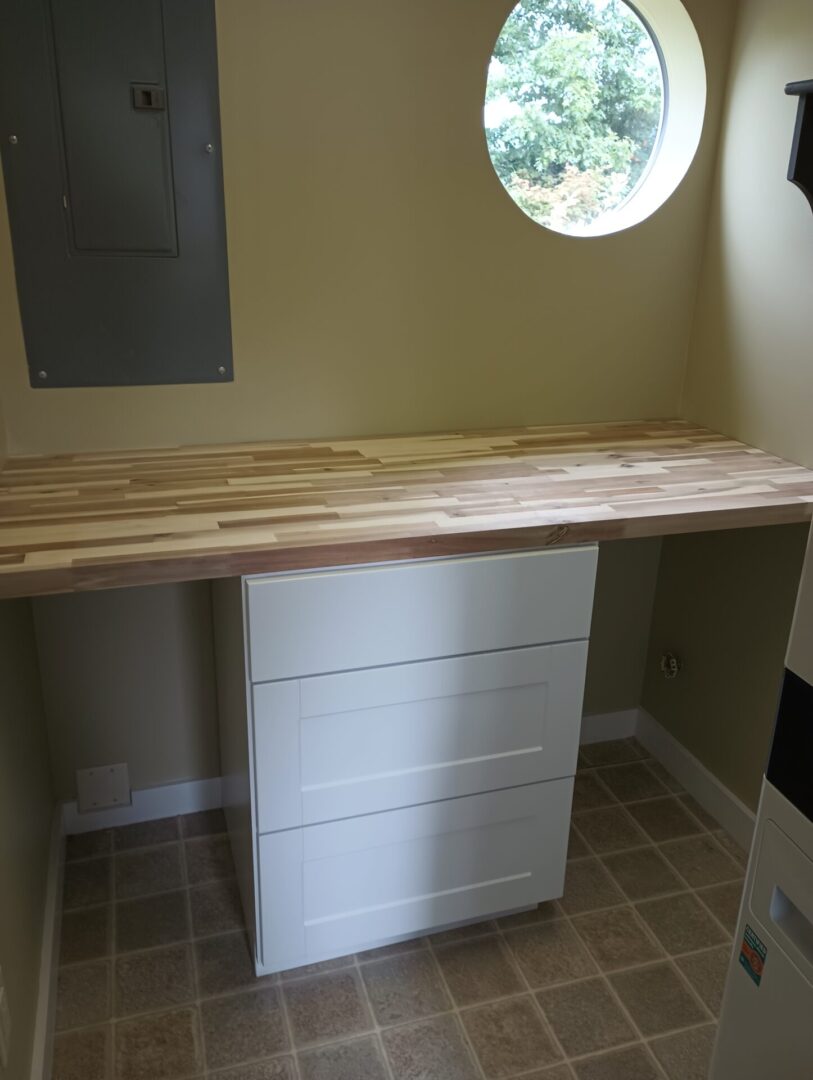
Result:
{"points": [[336, 746], [331, 889], [311, 623]]}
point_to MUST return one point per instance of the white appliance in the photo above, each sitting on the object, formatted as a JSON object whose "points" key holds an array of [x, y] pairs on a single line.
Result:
{"points": [[766, 1023]]}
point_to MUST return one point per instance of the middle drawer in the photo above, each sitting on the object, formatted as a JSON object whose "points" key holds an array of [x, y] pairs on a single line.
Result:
{"points": [[334, 746]]}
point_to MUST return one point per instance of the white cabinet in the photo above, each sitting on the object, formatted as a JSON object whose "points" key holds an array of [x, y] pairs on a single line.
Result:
{"points": [[334, 746], [330, 889], [399, 743]]}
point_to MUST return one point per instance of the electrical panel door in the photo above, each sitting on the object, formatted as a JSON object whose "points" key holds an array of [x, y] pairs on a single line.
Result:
{"points": [[112, 162]]}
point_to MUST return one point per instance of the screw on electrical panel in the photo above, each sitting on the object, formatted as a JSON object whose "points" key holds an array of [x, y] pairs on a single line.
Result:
{"points": [[13, 140], [43, 375], [221, 370]]}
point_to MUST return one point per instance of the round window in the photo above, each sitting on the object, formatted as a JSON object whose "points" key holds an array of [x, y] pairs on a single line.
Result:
{"points": [[594, 109]]}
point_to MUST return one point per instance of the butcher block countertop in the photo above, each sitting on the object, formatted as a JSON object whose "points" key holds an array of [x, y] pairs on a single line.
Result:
{"points": [[96, 520]]}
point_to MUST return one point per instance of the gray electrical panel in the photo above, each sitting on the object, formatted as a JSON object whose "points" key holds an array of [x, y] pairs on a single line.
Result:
{"points": [[111, 156]]}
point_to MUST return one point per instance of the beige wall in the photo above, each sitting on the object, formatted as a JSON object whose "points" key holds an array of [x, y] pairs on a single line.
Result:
{"points": [[381, 279], [128, 675], [726, 601], [724, 604], [625, 591], [26, 803], [750, 371]]}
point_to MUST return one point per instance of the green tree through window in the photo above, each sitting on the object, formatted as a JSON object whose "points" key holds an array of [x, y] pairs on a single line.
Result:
{"points": [[573, 108]]}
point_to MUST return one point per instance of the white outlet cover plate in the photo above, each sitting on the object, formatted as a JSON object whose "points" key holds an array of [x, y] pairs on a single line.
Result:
{"points": [[102, 787]]}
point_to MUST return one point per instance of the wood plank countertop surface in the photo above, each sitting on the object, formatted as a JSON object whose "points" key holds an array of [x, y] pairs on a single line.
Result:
{"points": [[95, 520]]}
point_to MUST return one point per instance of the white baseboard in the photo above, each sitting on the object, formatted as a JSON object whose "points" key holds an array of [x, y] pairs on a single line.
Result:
{"points": [[147, 805], [49, 956], [612, 725], [713, 796]]}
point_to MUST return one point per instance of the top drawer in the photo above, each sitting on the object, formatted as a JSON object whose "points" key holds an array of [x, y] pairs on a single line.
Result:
{"points": [[338, 620]]}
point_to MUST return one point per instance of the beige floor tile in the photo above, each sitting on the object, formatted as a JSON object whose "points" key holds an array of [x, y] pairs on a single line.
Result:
{"points": [[145, 834], [610, 829], [83, 995], [82, 1055], [89, 845], [278, 1068], [156, 979], [589, 793], [687, 1055], [634, 1063], [576, 847], [681, 923], [141, 873], [665, 819], [731, 847], [656, 999], [216, 908], [359, 1059], [643, 873], [203, 823], [701, 861], [664, 776], [588, 886], [326, 1007], [87, 883], [550, 953], [225, 963], [161, 1046], [555, 1072], [702, 815], [478, 970], [462, 933], [585, 1017], [151, 921], [243, 1027], [208, 858], [318, 968], [86, 934], [430, 1048], [616, 938], [630, 783], [406, 987], [544, 912], [707, 972], [509, 1037], [398, 948], [613, 752], [723, 901]]}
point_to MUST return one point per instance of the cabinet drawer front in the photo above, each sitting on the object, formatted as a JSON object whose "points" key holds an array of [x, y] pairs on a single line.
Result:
{"points": [[336, 746], [331, 889], [312, 623]]}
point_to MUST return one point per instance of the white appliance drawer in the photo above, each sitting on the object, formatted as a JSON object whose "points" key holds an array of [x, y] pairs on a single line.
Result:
{"points": [[359, 742], [340, 620], [335, 888]]}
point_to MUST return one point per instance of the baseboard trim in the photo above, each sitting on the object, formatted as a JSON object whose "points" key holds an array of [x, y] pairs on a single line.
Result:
{"points": [[723, 805], [599, 727], [49, 955], [148, 804]]}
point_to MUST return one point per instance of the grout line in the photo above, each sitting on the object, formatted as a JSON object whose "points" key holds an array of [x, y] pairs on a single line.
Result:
{"points": [[376, 1026], [455, 1007]]}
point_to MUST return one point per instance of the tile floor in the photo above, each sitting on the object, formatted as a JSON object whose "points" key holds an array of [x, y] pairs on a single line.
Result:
{"points": [[620, 980]]}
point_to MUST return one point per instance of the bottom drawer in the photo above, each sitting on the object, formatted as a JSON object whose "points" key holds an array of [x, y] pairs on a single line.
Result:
{"points": [[340, 887]]}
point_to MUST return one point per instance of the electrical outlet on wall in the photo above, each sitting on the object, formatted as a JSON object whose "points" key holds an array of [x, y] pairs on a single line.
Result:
{"points": [[5, 1024], [102, 787]]}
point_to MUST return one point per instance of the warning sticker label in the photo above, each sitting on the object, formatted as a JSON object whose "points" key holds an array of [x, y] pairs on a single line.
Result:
{"points": [[752, 955]]}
